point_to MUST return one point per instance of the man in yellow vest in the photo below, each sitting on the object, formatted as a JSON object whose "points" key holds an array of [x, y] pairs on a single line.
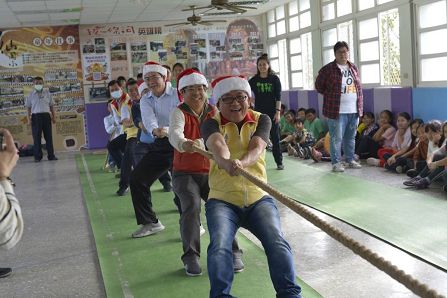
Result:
{"points": [[237, 136]]}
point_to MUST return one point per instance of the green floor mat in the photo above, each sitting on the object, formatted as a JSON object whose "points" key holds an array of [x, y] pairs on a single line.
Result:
{"points": [[414, 222], [151, 266]]}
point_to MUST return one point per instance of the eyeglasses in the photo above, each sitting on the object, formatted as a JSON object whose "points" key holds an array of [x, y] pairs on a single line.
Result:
{"points": [[195, 89], [152, 78], [230, 99]]}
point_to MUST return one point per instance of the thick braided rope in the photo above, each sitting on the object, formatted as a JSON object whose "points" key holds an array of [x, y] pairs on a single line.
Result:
{"points": [[407, 280]]}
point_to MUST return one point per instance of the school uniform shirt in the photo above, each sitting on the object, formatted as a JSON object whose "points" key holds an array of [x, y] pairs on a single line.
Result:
{"points": [[155, 111], [39, 102], [406, 142]]}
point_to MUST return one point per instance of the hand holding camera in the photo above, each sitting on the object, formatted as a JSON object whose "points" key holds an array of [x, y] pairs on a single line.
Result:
{"points": [[8, 154]]}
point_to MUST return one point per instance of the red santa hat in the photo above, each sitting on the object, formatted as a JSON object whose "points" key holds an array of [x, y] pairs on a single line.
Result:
{"points": [[152, 66], [226, 84], [141, 87], [190, 77]]}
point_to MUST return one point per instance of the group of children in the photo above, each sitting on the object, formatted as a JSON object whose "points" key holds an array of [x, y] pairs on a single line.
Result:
{"points": [[411, 146]]}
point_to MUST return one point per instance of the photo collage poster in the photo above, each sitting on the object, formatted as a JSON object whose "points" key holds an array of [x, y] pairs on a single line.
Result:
{"points": [[215, 50], [53, 54]]}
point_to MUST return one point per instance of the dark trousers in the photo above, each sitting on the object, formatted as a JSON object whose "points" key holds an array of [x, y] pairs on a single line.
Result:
{"points": [[116, 148], [367, 147], [128, 162], [274, 137], [141, 149], [41, 122], [151, 167]]}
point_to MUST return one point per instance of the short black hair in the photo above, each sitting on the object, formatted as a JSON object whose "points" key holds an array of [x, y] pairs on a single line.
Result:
{"points": [[167, 67], [120, 78], [340, 44], [111, 83], [302, 110], [310, 111], [369, 115], [38, 78], [298, 120], [139, 75], [131, 81]]}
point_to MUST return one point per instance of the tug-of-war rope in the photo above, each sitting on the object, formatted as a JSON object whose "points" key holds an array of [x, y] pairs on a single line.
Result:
{"points": [[407, 280]]}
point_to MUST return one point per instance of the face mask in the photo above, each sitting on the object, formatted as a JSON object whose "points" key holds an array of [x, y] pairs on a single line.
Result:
{"points": [[117, 94], [38, 87]]}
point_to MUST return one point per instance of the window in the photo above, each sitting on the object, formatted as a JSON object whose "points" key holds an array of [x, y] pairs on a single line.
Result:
{"points": [[299, 15], [432, 29], [343, 32], [276, 21], [379, 50], [331, 9], [300, 50], [365, 4]]}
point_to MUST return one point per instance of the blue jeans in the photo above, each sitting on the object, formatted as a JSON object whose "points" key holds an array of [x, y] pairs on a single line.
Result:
{"points": [[342, 132], [262, 219]]}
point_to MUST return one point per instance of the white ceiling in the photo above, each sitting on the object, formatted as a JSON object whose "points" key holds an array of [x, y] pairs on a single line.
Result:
{"points": [[27, 13]]}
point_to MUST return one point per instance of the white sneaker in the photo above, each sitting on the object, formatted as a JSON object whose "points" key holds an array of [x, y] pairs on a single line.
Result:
{"points": [[354, 165], [148, 229], [202, 230], [338, 167], [373, 161]]}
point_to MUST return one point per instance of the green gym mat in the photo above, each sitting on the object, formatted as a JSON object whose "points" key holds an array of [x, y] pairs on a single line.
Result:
{"points": [[407, 219], [151, 266]]}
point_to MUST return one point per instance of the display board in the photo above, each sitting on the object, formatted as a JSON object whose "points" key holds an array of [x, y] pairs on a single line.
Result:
{"points": [[112, 50], [53, 54]]}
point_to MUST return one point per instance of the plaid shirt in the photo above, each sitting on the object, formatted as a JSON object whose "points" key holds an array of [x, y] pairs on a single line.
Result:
{"points": [[328, 83]]}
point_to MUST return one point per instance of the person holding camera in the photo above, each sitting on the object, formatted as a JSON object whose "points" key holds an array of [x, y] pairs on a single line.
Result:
{"points": [[11, 221]]}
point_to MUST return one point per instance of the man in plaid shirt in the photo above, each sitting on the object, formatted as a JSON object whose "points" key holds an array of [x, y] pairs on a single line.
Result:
{"points": [[339, 82]]}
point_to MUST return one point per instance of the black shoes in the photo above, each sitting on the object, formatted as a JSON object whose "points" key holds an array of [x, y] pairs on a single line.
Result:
{"points": [[122, 191], [280, 167], [52, 158], [167, 187], [4, 272]]}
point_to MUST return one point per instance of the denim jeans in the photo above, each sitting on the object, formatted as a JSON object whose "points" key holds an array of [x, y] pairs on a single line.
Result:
{"points": [[260, 218], [342, 133]]}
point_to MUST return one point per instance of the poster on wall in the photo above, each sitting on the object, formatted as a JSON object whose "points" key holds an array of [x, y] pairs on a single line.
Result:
{"points": [[215, 50], [53, 54]]}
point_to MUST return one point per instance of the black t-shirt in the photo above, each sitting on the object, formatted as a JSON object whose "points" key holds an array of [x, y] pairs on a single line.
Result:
{"points": [[267, 92]]}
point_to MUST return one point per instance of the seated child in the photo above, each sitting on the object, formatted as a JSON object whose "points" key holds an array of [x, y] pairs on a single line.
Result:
{"points": [[400, 145], [286, 124], [321, 151], [414, 160], [300, 142], [383, 137], [392, 163], [313, 124], [363, 138], [436, 156]]}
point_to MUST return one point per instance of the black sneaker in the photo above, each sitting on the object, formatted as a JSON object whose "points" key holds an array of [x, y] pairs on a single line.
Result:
{"points": [[122, 191], [167, 188], [412, 181], [52, 158], [192, 268], [280, 167], [238, 265], [4, 272], [444, 188], [421, 183], [37, 160], [412, 173]]}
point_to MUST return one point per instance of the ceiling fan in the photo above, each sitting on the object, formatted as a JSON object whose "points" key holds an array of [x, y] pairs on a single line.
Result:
{"points": [[195, 19], [235, 7]]}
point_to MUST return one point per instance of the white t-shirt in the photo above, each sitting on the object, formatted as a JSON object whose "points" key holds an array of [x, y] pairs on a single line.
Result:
{"points": [[348, 99]]}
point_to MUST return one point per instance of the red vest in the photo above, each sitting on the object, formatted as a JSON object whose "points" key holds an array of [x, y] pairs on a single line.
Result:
{"points": [[192, 162]]}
